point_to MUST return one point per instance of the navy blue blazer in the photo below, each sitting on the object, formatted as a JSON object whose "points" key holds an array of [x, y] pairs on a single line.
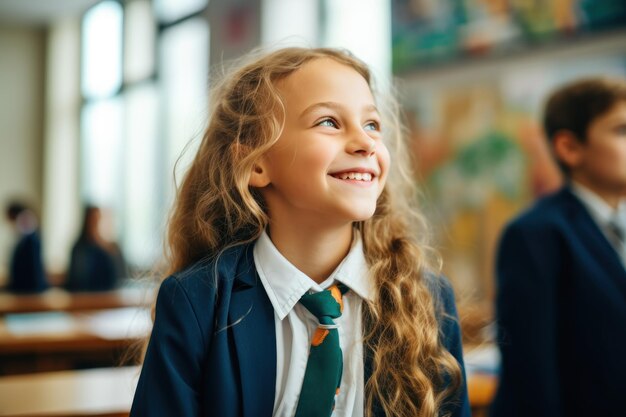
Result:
{"points": [[27, 273], [561, 315], [93, 268], [212, 351]]}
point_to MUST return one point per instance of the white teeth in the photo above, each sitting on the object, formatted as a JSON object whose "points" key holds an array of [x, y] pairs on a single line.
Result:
{"points": [[359, 176]]}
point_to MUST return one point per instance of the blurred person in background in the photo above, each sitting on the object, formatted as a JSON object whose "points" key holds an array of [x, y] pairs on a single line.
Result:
{"points": [[561, 293], [26, 270], [96, 264]]}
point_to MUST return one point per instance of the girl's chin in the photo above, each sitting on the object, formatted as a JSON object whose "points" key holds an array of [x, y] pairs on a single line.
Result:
{"points": [[362, 216]]}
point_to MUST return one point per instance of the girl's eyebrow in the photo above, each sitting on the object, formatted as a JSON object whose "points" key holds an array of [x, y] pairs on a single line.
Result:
{"points": [[370, 108]]}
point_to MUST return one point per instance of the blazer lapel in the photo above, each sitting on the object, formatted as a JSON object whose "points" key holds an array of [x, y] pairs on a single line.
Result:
{"points": [[597, 243], [254, 335]]}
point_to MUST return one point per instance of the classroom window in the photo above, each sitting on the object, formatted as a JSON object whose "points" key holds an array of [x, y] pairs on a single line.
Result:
{"points": [[139, 41], [184, 71], [101, 152], [139, 112], [171, 10], [102, 50]]}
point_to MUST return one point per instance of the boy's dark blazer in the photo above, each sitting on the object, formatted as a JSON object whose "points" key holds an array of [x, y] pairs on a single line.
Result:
{"points": [[212, 351], [27, 273], [561, 314]]}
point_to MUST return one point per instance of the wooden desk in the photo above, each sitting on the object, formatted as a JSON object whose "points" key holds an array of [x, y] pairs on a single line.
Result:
{"points": [[57, 299], [98, 392], [109, 392], [51, 341]]}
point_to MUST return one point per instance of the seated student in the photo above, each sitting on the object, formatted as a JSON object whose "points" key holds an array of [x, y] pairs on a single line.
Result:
{"points": [[26, 270], [95, 264], [561, 297]]}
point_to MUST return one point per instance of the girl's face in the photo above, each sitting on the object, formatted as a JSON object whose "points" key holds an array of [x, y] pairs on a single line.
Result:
{"points": [[330, 162]]}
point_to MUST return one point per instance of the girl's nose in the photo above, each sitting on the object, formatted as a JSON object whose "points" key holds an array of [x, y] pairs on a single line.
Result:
{"points": [[361, 143]]}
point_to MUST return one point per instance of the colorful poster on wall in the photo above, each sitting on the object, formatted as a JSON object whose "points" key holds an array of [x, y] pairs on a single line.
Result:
{"points": [[428, 32], [482, 158]]}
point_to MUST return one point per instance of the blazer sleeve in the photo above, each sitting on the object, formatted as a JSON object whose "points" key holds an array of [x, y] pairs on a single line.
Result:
{"points": [[458, 405], [171, 376], [526, 310]]}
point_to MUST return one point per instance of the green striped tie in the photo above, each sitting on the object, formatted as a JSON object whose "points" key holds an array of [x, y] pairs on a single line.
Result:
{"points": [[325, 364]]}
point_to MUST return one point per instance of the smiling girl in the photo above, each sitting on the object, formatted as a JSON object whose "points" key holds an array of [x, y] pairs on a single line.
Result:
{"points": [[297, 286]]}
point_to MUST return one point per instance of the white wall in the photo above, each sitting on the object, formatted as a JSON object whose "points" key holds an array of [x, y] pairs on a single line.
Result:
{"points": [[60, 201], [21, 123]]}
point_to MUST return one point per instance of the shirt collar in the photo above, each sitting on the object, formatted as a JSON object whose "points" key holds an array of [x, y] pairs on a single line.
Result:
{"points": [[597, 207], [285, 284]]}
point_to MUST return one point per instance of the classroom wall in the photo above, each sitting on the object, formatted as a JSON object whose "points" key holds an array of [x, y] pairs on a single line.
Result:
{"points": [[235, 28], [22, 56], [479, 145]]}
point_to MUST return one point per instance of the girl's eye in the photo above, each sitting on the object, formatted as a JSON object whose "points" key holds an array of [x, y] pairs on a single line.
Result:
{"points": [[374, 126], [328, 123]]}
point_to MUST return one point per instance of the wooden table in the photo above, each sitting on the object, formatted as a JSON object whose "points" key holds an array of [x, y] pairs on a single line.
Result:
{"points": [[108, 392], [56, 299], [93, 393], [50, 341]]}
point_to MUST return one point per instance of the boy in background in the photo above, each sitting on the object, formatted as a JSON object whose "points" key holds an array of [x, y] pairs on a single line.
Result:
{"points": [[561, 281]]}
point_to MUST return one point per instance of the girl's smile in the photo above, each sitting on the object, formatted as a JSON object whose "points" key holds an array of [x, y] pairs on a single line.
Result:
{"points": [[331, 133], [362, 177]]}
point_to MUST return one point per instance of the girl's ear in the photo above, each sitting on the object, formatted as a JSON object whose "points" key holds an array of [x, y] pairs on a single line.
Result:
{"points": [[259, 177], [568, 149]]}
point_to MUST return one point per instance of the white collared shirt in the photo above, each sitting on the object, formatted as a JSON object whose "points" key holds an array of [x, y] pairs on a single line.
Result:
{"points": [[285, 284], [603, 214]]}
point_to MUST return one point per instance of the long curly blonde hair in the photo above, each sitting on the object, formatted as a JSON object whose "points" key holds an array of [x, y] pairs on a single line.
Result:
{"points": [[215, 209]]}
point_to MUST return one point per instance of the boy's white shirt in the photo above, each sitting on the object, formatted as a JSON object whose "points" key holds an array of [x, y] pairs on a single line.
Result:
{"points": [[602, 213], [285, 284]]}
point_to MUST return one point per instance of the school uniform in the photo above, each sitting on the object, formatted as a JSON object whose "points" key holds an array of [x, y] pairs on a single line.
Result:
{"points": [[26, 271], [561, 311], [93, 268], [230, 338]]}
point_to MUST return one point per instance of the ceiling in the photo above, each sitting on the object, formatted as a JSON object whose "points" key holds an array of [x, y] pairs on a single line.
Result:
{"points": [[40, 12]]}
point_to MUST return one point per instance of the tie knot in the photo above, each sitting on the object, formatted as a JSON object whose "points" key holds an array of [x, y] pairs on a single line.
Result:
{"points": [[327, 304]]}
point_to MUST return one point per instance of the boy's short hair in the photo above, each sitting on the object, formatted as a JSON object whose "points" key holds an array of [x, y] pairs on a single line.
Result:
{"points": [[574, 106], [14, 209]]}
